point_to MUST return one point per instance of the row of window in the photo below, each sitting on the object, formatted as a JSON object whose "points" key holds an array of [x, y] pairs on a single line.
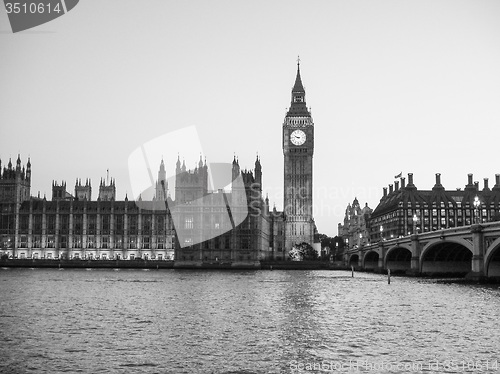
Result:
{"points": [[227, 257], [104, 224], [220, 242], [132, 242], [90, 256], [484, 214]]}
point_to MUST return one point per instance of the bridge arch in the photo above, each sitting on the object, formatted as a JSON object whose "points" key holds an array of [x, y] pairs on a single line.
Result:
{"points": [[354, 260], [492, 259], [370, 260], [447, 256], [398, 258]]}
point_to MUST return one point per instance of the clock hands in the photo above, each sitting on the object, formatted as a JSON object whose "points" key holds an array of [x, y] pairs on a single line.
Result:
{"points": [[297, 137]]}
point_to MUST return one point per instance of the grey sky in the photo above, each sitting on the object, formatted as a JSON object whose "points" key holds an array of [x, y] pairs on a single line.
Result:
{"points": [[411, 86]]}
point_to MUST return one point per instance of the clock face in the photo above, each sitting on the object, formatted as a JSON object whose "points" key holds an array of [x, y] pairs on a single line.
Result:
{"points": [[298, 137]]}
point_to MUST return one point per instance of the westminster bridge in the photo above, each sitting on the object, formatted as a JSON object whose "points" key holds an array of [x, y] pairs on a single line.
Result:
{"points": [[473, 250]]}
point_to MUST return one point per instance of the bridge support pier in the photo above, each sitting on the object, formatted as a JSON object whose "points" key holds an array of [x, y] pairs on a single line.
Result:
{"points": [[415, 255], [381, 257], [478, 271]]}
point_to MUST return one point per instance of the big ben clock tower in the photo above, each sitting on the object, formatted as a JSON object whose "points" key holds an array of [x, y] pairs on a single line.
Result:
{"points": [[298, 147]]}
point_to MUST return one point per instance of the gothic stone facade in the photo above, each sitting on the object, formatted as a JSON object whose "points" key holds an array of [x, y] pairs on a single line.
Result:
{"points": [[189, 229], [355, 229], [76, 226], [298, 149]]}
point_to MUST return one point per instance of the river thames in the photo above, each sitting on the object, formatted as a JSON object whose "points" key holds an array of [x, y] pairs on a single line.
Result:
{"points": [[187, 321]]}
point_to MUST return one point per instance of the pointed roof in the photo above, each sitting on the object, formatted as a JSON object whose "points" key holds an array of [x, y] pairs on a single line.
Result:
{"points": [[257, 163], [178, 164], [298, 107], [298, 87]]}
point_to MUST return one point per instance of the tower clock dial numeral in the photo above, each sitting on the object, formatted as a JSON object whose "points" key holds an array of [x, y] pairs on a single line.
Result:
{"points": [[298, 137]]}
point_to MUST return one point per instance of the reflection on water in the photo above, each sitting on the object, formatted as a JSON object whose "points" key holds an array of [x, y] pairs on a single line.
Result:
{"points": [[174, 321]]}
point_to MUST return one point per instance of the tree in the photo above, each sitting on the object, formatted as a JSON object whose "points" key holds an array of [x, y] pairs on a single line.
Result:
{"points": [[303, 252]]}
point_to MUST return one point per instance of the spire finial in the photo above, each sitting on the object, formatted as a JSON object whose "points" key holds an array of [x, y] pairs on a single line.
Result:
{"points": [[298, 60]]}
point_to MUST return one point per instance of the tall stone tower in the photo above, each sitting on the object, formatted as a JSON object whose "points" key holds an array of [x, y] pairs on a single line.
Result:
{"points": [[298, 148], [15, 183], [107, 192], [190, 185], [83, 192]]}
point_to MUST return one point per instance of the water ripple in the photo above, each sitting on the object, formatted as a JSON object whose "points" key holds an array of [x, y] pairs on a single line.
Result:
{"points": [[239, 322]]}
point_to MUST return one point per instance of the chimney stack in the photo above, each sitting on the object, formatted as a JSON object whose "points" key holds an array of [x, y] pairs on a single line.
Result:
{"points": [[403, 181], [410, 179], [470, 179], [396, 186], [390, 189], [486, 184], [438, 185], [476, 186], [385, 191]]}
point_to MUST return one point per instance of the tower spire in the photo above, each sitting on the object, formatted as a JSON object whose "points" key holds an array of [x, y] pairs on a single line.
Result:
{"points": [[298, 87], [298, 106]]}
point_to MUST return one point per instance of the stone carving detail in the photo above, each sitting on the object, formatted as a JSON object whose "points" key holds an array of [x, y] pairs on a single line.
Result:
{"points": [[489, 241]]}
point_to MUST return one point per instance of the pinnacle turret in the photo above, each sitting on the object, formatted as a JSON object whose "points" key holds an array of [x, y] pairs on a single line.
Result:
{"points": [[178, 163]]}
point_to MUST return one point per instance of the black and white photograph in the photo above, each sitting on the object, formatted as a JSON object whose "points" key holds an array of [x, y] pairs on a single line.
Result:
{"points": [[261, 187]]}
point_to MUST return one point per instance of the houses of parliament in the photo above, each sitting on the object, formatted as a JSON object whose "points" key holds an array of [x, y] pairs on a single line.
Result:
{"points": [[236, 228]]}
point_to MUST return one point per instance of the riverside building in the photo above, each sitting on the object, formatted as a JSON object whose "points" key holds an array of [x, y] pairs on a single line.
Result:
{"points": [[190, 230], [200, 226], [404, 209]]}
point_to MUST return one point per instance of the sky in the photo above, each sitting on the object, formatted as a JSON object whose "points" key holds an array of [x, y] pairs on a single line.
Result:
{"points": [[394, 86]]}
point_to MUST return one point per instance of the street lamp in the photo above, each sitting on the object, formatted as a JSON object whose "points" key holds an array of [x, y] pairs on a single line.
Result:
{"points": [[415, 219], [476, 203]]}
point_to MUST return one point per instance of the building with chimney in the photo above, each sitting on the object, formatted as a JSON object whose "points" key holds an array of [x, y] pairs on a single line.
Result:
{"points": [[404, 209]]}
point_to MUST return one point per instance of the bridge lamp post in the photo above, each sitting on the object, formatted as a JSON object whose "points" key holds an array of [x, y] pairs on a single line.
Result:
{"points": [[477, 203], [415, 219]]}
